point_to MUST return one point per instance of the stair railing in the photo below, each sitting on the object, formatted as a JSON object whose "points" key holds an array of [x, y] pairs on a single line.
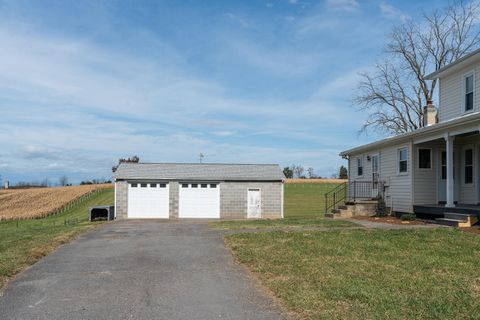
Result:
{"points": [[335, 197]]}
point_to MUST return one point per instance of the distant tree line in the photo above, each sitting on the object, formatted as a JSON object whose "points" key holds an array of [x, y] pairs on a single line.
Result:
{"points": [[298, 172], [95, 181]]}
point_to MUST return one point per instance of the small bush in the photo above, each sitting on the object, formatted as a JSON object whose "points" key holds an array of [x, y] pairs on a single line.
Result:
{"points": [[408, 217], [381, 210]]}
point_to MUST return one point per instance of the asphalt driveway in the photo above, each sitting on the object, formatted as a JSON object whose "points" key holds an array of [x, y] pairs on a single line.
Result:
{"points": [[139, 270]]}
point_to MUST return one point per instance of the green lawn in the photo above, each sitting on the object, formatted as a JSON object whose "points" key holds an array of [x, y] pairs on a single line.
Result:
{"points": [[306, 199], [278, 223], [23, 245], [368, 274]]}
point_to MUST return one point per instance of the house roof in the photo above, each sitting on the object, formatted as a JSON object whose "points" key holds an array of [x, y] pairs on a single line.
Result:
{"points": [[419, 133], [456, 65], [199, 171]]}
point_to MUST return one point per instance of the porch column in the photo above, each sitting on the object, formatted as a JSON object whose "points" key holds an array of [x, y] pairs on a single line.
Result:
{"points": [[450, 184]]}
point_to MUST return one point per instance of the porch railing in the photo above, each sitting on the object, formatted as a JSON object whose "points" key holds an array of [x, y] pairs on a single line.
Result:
{"points": [[364, 190], [352, 191]]}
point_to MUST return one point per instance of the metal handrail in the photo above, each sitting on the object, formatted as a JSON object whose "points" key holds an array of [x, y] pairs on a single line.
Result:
{"points": [[335, 196]]}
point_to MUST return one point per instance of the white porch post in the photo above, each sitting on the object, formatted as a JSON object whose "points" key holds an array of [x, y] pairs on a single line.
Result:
{"points": [[450, 184]]}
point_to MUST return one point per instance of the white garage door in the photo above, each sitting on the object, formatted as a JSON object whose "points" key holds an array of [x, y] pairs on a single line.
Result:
{"points": [[199, 200], [148, 200]]}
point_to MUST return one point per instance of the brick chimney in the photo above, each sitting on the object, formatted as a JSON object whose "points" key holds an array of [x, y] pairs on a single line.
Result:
{"points": [[429, 114]]}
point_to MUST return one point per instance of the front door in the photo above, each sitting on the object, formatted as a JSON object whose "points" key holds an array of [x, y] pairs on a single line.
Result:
{"points": [[442, 177], [254, 209], [375, 164]]}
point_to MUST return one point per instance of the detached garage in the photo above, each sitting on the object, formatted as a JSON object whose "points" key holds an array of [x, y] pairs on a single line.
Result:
{"points": [[198, 190]]}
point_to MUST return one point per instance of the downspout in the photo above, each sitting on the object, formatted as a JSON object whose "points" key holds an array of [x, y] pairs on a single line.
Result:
{"points": [[115, 199]]}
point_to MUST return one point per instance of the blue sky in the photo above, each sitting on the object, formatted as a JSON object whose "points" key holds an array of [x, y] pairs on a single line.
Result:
{"points": [[83, 83]]}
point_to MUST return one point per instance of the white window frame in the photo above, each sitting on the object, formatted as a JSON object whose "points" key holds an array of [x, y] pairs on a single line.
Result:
{"points": [[398, 161], [363, 166], [418, 159], [464, 93], [464, 165]]}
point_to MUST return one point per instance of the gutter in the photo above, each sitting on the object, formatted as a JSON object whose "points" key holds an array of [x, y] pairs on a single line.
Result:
{"points": [[422, 131]]}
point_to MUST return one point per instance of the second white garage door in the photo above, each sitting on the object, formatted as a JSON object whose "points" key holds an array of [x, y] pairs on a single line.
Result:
{"points": [[148, 200], [199, 200]]}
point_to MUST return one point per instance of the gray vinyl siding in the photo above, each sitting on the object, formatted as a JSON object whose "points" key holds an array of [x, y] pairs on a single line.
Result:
{"points": [[469, 192], [425, 180], [452, 94], [399, 190]]}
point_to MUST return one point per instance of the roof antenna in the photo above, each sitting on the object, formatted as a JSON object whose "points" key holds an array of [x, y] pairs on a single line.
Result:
{"points": [[200, 157]]}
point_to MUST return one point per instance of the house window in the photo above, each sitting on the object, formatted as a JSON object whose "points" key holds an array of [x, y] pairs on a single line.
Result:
{"points": [[444, 166], [359, 167], [402, 160], [194, 185], [424, 158], [143, 185], [469, 92], [204, 185], [153, 185], [185, 185], [163, 185], [468, 166], [213, 186], [134, 185]]}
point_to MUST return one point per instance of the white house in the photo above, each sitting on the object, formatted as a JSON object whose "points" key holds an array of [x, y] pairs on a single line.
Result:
{"points": [[433, 170]]}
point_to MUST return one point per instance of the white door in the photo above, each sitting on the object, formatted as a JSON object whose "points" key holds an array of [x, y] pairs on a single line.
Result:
{"points": [[148, 200], [199, 200], [375, 165], [254, 209]]}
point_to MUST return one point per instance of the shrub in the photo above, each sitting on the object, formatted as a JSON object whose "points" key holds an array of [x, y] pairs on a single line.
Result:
{"points": [[381, 210], [408, 217]]}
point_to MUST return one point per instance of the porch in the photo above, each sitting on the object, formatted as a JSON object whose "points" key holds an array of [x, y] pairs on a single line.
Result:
{"points": [[446, 173]]}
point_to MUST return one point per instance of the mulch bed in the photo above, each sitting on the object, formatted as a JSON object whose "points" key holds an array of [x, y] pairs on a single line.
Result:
{"points": [[474, 229], [391, 220]]}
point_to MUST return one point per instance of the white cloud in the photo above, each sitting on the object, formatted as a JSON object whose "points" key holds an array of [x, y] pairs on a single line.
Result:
{"points": [[343, 5], [391, 12], [289, 18], [242, 22], [293, 1], [74, 107]]}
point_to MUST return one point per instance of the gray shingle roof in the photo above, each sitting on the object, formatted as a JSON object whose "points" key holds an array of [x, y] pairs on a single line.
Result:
{"points": [[200, 171]]}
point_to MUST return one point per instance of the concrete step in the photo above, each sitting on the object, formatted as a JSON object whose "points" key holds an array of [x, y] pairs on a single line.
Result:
{"points": [[448, 222], [457, 216]]}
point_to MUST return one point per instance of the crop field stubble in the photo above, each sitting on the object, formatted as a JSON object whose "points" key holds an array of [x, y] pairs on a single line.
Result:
{"points": [[39, 202]]}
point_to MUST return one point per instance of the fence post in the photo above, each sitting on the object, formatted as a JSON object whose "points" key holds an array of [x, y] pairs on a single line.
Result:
{"points": [[326, 204]]}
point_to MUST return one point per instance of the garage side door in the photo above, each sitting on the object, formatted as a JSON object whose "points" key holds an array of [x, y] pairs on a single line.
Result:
{"points": [[199, 200], [148, 200]]}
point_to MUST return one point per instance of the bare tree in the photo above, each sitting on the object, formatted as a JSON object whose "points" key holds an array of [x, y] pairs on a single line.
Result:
{"points": [[311, 173], [396, 91], [297, 171], [63, 180]]}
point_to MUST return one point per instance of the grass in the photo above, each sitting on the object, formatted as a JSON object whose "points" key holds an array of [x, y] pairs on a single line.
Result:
{"points": [[306, 199], [22, 246], [279, 223], [367, 274]]}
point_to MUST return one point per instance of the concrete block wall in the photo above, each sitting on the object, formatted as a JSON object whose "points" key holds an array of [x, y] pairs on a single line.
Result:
{"points": [[233, 199], [121, 198], [174, 192]]}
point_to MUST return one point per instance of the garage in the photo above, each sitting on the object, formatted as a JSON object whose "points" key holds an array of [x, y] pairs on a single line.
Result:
{"points": [[148, 200], [198, 191], [199, 200]]}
